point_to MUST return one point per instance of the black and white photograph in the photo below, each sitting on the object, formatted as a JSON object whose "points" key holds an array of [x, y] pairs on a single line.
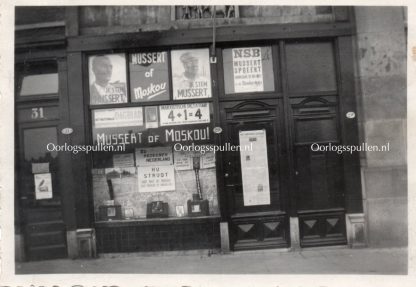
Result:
{"points": [[246, 144]]}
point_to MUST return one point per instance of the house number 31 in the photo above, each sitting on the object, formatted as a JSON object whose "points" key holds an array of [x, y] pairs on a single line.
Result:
{"points": [[37, 113]]}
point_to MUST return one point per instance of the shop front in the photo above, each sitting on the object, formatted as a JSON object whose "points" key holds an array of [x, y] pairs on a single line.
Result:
{"points": [[201, 140]]}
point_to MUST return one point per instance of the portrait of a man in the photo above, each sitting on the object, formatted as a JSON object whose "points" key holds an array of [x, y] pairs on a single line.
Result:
{"points": [[107, 79], [191, 74]]}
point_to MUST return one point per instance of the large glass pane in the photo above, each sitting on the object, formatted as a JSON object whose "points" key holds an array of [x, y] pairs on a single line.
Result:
{"points": [[310, 67]]}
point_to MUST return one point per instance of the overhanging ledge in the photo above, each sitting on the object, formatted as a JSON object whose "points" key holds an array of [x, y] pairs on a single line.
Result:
{"points": [[204, 35]]}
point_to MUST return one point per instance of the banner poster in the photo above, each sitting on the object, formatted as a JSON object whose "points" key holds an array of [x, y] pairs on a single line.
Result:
{"points": [[254, 168], [149, 76], [156, 178], [207, 160], [183, 160], [154, 156], [123, 160], [191, 74], [120, 117], [248, 71], [151, 117], [43, 186], [173, 115], [107, 79]]}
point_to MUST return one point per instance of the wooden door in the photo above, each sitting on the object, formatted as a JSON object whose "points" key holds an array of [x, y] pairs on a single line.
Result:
{"points": [[254, 176]]}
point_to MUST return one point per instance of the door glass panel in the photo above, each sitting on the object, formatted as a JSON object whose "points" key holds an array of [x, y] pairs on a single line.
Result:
{"points": [[38, 166], [248, 70], [36, 141], [310, 67]]}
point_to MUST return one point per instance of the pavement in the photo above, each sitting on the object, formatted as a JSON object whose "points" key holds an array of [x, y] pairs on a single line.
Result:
{"points": [[322, 260]]}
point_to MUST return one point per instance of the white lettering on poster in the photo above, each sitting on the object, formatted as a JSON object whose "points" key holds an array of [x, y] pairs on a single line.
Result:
{"points": [[254, 168], [121, 117], [154, 156], [156, 178], [184, 114], [43, 186], [248, 70]]}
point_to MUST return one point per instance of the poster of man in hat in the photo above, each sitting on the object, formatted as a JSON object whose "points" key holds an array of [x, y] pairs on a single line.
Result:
{"points": [[191, 74], [107, 75]]}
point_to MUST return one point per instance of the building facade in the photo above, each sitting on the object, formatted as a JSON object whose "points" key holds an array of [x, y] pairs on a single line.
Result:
{"points": [[279, 91]]}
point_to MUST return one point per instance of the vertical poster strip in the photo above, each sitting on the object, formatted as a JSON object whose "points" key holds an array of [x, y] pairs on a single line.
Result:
{"points": [[254, 167], [151, 117], [107, 79], [191, 74]]}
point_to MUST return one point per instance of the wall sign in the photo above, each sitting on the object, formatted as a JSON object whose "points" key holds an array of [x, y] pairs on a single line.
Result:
{"points": [[254, 168], [120, 117], [191, 74], [156, 178], [43, 186], [154, 156], [185, 114], [151, 117], [149, 76], [107, 75]]}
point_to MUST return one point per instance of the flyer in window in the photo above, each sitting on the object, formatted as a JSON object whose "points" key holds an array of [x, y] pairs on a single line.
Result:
{"points": [[43, 186], [156, 178], [107, 75], [191, 74], [247, 69], [154, 156]]}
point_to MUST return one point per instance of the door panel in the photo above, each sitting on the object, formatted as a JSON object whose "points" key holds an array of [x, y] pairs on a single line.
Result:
{"points": [[257, 219]]}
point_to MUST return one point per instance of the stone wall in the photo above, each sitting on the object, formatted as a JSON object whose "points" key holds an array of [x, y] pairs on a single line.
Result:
{"points": [[381, 87], [124, 19]]}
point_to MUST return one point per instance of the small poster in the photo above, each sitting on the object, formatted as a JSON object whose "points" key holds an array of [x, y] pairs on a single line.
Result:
{"points": [[43, 186], [254, 168], [191, 74], [154, 156], [107, 79], [149, 76], [172, 115], [156, 178], [248, 71], [183, 160], [120, 117], [208, 160], [123, 160], [151, 117]]}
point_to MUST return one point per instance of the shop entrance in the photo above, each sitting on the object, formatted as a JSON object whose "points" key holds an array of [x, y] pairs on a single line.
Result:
{"points": [[254, 176]]}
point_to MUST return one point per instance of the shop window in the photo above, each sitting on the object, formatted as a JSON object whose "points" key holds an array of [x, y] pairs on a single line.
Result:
{"points": [[310, 67], [248, 70], [158, 160]]}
